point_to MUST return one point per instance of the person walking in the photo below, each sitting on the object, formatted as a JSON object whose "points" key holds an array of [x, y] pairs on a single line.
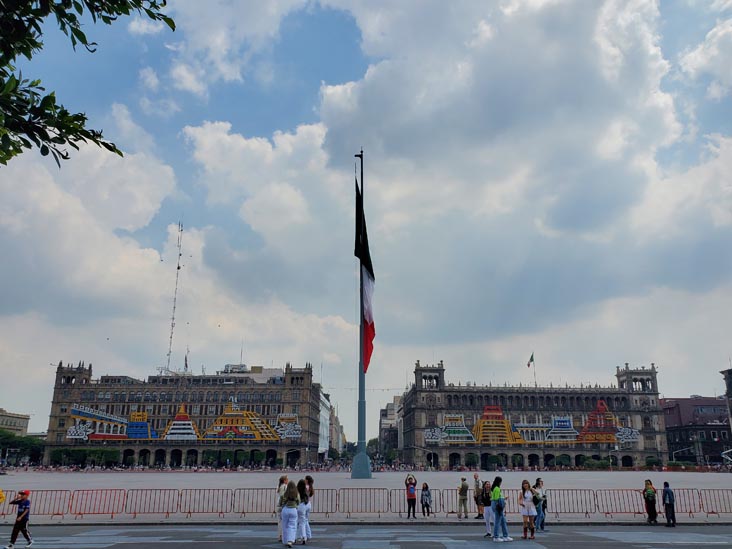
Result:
{"points": [[425, 498], [528, 508], [485, 500], [463, 498], [281, 487], [540, 505], [310, 488], [498, 503], [669, 505], [302, 508], [289, 502], [649, 497], [410, 483], [20, 526], [478, 495]]}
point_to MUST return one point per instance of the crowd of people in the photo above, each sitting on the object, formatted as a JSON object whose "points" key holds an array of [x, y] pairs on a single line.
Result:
{"points": [[532, 503]]}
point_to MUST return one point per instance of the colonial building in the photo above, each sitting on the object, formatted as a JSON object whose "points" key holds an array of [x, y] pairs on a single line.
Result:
{"points": [[389, 426], [444, 425], [697, 429], [15, 423], [250, 414]]}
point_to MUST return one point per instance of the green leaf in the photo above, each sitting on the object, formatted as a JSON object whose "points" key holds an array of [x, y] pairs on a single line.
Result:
{"points": [[44, 150]]}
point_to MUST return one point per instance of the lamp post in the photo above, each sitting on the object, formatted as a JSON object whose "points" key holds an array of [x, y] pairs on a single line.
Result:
{"points": [[673, 454]]}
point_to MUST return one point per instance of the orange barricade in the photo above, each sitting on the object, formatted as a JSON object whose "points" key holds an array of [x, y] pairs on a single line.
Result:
{"points": [[325, 501], [571, 502], [157, 501], [206, 500], [618, 502], [716, 501], [255, 500], [363, 500], [50, 502], [98, 502], [686, 500]]}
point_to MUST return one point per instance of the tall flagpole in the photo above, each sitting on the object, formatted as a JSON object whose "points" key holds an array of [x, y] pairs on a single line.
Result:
{"points": [[361, 467]]}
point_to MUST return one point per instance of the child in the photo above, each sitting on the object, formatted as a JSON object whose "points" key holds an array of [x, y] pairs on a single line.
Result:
{"points": [[426, 499], [21, 521]]}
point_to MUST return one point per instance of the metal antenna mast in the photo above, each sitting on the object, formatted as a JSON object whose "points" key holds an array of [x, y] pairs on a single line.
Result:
{"points": [[175, 293]]}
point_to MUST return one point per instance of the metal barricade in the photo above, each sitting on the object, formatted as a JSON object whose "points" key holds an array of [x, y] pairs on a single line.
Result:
{"points": [[325, 501], [5, 507], [619, 502], [98, 502], [449, 501], [398, 501], [716, 501], [157, 501], [50, 503], [255, 500], [206, 501], [687, 500], [571, 502], [363, 500]]}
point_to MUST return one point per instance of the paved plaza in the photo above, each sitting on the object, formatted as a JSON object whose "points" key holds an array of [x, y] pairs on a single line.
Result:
{"points": [[437, 480], [371, 537]]}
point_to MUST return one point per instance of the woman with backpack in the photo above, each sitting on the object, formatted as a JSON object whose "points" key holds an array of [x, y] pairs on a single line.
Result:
{"points": [[498, 505], [649, 497], [289, 502], [490, 518], [425, 498]]}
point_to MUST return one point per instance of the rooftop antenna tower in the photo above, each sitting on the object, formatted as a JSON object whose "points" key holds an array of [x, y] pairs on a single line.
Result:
{"points": [[175, 295]]}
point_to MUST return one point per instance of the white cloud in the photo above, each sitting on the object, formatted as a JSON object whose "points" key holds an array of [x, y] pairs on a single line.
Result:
{"points": [[189, 78], [712, 58], [221, 37], [149, 79], [142, 26]]}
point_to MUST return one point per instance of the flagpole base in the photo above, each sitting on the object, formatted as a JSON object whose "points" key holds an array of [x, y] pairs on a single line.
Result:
{"points": [[361, 467]]}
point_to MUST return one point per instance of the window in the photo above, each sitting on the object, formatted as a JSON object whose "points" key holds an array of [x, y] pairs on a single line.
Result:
{"points": [[62, 422], [724, 435], [714, 436], [64, 409], [702, 435]]}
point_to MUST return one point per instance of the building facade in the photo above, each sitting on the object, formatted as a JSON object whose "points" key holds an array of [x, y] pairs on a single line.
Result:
{"points": [[697, 429], [443, 425], [253, 415], [15, 423], [389, 426]]}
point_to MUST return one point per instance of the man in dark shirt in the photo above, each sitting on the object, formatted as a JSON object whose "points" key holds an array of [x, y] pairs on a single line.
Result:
{"points": [[21, 521]]}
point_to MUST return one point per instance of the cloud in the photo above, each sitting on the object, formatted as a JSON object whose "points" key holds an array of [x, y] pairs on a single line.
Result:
{"points": [[189, 78], [711, 59], [222, 37], [149, 79], [143, 27]]}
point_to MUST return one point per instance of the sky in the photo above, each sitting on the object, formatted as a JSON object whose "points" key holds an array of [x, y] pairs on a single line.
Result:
{"points": [[541, 176]]}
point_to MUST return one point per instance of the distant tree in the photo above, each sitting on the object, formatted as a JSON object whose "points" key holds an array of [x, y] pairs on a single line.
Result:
{"points": [[372, 447], [471, 460], [333, 454], [28, 115]]}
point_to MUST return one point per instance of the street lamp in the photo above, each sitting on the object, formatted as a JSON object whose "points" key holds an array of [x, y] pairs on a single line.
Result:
{"points": [[673, 454]]}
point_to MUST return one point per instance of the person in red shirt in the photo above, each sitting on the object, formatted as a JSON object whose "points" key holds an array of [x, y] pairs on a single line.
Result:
{"points": [[410, 484]]}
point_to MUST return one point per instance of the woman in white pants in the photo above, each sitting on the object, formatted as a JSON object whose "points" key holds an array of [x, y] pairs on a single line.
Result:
{"points": [[289, 501], [281, 487], [303, 513], [490, 517]]}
